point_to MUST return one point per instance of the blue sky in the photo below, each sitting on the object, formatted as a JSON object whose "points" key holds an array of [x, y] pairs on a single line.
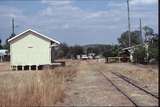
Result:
{"points": [[77, 21]]}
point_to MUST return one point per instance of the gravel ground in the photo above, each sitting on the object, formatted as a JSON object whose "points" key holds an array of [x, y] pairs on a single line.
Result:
{"points": [[90, 88], [4, 67]]}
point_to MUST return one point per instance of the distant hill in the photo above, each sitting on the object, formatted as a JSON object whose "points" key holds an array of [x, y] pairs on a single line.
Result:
{"points": [[96, 45]]}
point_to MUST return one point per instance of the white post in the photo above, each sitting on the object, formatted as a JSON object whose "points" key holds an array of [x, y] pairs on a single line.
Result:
{"points": [[131, 55], [36, 67], [22, 68], [147, 54], [29, 68], [16, 68]]}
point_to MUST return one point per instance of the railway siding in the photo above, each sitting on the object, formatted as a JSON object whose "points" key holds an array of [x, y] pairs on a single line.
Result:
{"points": [[138, 96]]}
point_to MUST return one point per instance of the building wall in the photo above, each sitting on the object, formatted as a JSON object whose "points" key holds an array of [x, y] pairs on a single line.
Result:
{"points": [[30, 50]]}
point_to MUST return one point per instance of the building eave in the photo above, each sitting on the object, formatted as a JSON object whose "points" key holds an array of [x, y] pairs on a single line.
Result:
{"points": [[48, 38]]}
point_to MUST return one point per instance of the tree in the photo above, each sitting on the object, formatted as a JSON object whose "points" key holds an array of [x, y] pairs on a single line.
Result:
{"points": [[115, 50], [135, 39], [64, 48], [90, 50], [1, 47], [154, 41], [148, 30], [153, 48], [6, 45], [76, 50], [66, 51], [108, 53], [62, 51], [151, 39], [111, 51], [139, 55]]}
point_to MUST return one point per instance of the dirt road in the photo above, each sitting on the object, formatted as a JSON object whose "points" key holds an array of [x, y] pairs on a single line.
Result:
{"points": [[90, 88]]}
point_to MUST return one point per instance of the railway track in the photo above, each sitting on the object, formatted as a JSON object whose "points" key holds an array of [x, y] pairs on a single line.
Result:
{"points": [[121, 90], [135, 85], [118, 89]]}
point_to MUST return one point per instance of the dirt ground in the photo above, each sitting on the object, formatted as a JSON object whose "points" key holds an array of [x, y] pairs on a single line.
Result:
{"points": [[4, 67], [90, 88]]}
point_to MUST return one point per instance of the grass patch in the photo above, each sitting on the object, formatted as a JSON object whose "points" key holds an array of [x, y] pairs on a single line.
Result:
{"points": [[31, 88]]}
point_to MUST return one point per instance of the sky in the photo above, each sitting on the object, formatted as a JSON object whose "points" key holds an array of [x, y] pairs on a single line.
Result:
{"points": [[77, 22]]}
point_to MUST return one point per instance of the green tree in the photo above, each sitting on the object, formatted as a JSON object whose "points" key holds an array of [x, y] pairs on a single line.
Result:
{"points": [[139, 55], [64, 48], [90, 50], [77, 50], [111, 51], [62, 51], [1, 47], [6, 45], [148, 30], [151, 39], [148, 33], [135, 39], [153, 48], [74, 51]]}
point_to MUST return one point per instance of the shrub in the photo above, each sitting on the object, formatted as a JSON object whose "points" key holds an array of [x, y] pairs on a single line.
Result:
{"points": [[139, 55]]}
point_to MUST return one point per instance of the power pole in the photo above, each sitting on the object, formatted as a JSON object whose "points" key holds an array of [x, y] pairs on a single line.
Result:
{"points": [[129, 32], [140, 27], [129, 25], [13, 25], [13, 33]]}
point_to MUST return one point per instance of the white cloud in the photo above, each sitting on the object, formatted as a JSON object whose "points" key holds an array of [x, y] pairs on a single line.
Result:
{"points": [[48, 11], [144, 2], [57, 3], [95, 15], [68, 20], [6, 11], [65, 26]]}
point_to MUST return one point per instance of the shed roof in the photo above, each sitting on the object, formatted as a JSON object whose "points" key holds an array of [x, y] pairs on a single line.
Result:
{"points": [[39, 34]]}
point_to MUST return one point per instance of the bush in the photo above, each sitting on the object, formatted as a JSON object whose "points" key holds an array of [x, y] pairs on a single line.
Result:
{"points": [[139, 55], [153, 54]]}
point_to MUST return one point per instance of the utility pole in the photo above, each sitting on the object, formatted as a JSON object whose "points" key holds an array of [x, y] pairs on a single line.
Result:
{"points": [[129, 33], [146, 46], [13, 25], [140, 26], [129, 25], [13, 34]]}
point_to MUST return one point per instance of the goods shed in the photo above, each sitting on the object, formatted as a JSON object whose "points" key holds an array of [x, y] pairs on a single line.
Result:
{"points": [[30, 49]]}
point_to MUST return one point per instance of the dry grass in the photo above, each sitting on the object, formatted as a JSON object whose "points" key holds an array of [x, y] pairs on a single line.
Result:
{"points": [[29, 88], [145, 76]]}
